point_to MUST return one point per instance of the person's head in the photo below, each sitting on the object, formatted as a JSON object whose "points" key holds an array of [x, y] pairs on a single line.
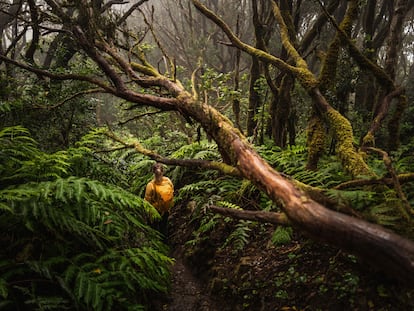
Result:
{"points": [[158, 169]]}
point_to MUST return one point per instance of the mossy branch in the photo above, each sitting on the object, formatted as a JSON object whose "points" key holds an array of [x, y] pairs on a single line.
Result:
{"points": [[330, 62], [302, 72], [316, 136], [194, 163], [352, 161], [357, 183], [319, 195], [260, 54], [359, 57], [405, 209]]}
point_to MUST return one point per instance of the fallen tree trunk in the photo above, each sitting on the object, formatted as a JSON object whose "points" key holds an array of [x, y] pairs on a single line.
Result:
{"points": [[390, 252]]}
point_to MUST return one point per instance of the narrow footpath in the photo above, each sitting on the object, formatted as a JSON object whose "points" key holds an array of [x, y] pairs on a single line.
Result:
{"points": [[186, 291]]}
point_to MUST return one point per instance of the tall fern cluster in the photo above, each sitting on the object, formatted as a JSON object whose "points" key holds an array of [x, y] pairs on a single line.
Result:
{"points": [[69, 241]]}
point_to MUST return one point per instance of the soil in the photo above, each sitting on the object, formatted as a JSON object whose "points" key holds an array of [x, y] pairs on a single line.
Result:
{"points": [[298, 275]]}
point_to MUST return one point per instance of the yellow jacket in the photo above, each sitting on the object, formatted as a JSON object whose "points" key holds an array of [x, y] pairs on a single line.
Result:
{"points": [[160, 195]]}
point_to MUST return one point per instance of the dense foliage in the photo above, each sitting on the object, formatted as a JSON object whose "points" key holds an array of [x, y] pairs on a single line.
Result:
{"points": [[311, 86], [71, 238]]}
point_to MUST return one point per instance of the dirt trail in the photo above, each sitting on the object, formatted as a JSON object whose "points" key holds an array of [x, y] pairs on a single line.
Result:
{"points": [[187, 293]]}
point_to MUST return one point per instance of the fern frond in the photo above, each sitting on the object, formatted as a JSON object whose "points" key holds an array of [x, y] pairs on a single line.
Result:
{"points": [[388, 212], [282, 235], [357, 199], [68, 237], [239, 238], [228, 205], [4, 289], [191, 150]]}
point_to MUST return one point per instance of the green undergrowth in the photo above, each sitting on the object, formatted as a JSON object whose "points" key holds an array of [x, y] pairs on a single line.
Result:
{"points": [[260, 266], [72, 237]]}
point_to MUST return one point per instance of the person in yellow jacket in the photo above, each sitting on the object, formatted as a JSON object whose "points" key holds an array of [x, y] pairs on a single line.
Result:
{"points": [[160, 193]]}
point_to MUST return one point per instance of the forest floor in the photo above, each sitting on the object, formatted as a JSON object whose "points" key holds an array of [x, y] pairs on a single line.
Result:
{"points": [[298, 275]]}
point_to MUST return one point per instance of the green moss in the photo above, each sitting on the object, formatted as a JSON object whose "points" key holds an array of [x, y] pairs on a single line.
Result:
{"points": [[329, 67], [368, 140], [315, 141], [301, 70], [328, 72], [307, 79], [351, 160]]}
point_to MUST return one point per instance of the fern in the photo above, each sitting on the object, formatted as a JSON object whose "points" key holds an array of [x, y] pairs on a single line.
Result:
{"points": [[289, 161], [207, 224], [72, 242], [282, 235], [387, 210], [196, 150], [3, 288], [385, 215], [357, 199], [228, 205], [239, 238]]}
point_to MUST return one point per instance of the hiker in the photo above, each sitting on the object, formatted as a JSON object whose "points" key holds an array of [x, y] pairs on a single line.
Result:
{"points": [[160, 193]]}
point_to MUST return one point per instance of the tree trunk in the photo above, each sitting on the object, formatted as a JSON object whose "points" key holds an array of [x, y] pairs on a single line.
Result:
{"points": [[254, 97]]}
